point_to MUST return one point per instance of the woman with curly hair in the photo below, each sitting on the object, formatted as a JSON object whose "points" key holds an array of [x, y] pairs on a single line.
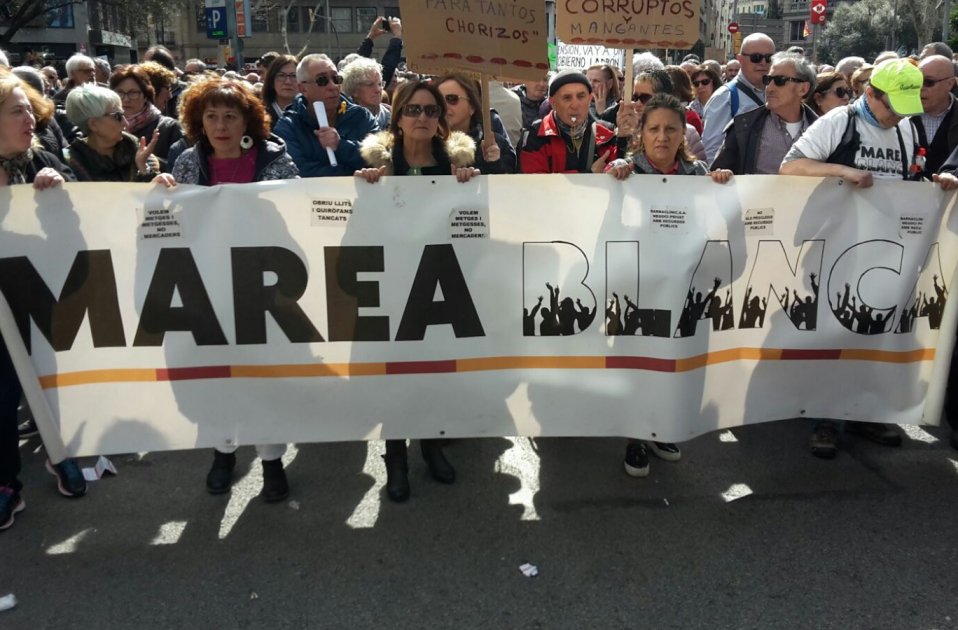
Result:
{"points": [[229, 130], [418, 142], [163, 82], [144, 118]]}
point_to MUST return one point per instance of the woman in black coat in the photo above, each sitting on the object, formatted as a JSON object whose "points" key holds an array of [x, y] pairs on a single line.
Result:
{"points": [[464, 113]]}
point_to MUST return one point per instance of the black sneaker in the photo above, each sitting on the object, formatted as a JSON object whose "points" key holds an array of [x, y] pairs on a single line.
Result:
{"points": [[27, 429], [70, 481], [824, 440], [636, 460], [219, 479], [666, 450], [10, 503], [275, 486], [877, 432]]}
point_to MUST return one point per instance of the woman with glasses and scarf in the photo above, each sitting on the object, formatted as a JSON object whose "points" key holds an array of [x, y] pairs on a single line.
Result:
{"points": [[279, 87], [106, 152], [144, 119], [418, 142], [658, 148], [464, 113], [22, 161], [831, 91]]}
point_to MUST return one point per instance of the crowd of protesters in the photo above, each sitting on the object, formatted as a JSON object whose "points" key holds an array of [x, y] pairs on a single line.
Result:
{"points": [[763, 112]]}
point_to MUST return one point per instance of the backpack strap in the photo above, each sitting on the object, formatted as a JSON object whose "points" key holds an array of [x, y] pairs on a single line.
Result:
{"points": [[733, 97]]}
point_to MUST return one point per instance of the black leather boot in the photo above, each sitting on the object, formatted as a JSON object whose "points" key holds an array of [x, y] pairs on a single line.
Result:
{"points": [[275, 487], [440, 468], [220, 478], [397, 471]]}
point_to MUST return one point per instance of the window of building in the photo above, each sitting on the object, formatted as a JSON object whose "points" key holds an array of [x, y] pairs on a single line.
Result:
{"points": [[796, 31], [291, 17], [61, 17], [260, 21], [365, 17], [342, 19], [200, 19]]}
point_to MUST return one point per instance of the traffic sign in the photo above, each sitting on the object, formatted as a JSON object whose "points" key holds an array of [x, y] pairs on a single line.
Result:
{"points": [[733, 27], [818, 11], [216, 23]]}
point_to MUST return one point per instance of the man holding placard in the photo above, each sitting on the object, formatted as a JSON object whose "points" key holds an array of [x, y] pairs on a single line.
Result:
{"points": [[324, 148], [742, 94], [568, 139]]}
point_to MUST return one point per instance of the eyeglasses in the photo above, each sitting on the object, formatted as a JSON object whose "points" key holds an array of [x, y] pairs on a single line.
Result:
{"points": [[642, 98], [131, 94], [323, 80], [284, 77], [117, 116], [414, 111], [931, 82], [702, 82], [840, 92], [758, 58], [452, 99], [779, 79]]}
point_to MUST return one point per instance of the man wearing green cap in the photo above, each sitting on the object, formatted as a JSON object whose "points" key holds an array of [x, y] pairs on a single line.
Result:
{"points": [[872, 137]]}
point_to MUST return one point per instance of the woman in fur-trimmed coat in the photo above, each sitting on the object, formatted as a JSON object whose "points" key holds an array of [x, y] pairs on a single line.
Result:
{"points": [[418, 142]]}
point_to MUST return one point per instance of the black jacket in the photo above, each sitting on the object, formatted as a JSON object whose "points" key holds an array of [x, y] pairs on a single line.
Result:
{"points": [[739, 151], [43, 159], [507, 164], [944, 142]]}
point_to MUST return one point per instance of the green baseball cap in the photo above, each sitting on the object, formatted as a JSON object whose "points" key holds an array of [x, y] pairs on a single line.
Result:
{"points": [[901, 81]]}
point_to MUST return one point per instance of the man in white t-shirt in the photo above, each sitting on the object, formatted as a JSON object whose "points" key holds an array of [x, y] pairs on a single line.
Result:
{"points": [[883, 145], [883, 141]]}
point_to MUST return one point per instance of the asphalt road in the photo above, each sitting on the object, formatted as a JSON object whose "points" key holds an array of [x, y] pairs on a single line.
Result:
{"points": [[747, 531]]}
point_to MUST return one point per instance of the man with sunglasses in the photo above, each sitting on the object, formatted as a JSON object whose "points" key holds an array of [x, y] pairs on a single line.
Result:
{"points": [[884, 145], [938, 124], [756, 141], [306, 142], [742, 94]]}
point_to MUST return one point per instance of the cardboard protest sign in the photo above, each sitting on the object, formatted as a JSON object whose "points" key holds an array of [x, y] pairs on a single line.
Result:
{"points": [[581, 57], [505, 39], [628, 23]]}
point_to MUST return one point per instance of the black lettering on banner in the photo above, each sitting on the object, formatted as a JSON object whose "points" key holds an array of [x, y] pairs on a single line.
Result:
{"points": [[176, 271], [89, 289], [439, 266], [345, 295], [252, 299]]}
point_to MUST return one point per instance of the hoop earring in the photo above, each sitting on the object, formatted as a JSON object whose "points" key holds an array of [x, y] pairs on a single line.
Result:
{"points": [[246, 142]]}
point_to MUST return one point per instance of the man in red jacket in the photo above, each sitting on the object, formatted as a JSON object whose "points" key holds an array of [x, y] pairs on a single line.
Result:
{"points": [[569, 139]]}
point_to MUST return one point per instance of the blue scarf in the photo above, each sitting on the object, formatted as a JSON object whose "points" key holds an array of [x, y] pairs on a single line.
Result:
{"points": [[865, 111]]}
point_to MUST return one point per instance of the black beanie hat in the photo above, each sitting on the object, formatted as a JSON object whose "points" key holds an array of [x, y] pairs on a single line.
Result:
{"points": [[566, 77]]}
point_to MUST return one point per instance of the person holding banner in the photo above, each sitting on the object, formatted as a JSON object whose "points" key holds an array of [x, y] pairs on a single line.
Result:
{"points": [[22, 161], [647, 84], [464, 113], [229, 129], [569, 139], [659, 150], [418, 142]]}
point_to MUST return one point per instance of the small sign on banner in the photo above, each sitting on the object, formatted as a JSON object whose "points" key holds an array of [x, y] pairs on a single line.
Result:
{"points": [[502, 40], [666, 24], [330, 212]]}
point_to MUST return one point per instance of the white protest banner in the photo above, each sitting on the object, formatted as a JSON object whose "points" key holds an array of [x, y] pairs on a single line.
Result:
{"points": [[629, 23], [582, 57], [499, 38], [657, 307]]}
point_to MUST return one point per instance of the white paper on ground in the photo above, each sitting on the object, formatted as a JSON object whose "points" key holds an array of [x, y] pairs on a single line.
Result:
{"points": [[7, 602], [102, 466], [529, 570]]}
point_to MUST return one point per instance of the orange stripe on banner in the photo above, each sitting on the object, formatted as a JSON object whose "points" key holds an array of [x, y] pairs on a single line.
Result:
{"points": [[311, 370], [90, 377], [529, 363], [485, 364], [885, 356]]}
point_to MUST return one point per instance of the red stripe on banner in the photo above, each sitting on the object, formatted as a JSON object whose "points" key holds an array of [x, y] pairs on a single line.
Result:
{"points": [[193, 373], [640, 363], [811, 355], [420, 367]]}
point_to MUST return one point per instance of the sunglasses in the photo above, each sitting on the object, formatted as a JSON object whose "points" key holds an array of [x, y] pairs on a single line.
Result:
{"points": [[642, 98], [452, 99], [414, 111], [931, 82], [779, 79], [840, 92], [758, 58], [702, 82], [117, 116], [323, 80]]}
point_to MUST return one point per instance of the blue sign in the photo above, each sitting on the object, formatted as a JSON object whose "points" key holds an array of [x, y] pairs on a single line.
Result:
{"points": [[216, 23]]}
